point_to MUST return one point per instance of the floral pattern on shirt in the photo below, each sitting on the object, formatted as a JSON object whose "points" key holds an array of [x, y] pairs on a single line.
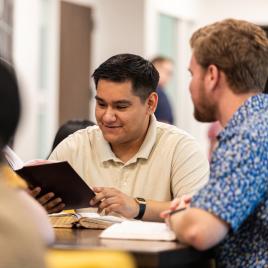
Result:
{"points": [[237, 191]]}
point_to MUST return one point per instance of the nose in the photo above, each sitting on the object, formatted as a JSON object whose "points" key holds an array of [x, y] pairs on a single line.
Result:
{"points": [[109, 115]]}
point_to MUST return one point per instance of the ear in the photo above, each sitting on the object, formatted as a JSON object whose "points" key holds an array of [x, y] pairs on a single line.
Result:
{"points": [[152, 102], [212, 77]]}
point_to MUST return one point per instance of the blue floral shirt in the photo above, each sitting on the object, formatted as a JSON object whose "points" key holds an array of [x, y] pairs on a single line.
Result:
{"points": [[237, 191]]}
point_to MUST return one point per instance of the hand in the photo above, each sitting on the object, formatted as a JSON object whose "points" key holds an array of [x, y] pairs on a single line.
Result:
{"points": [[48, 201], [177, 203], [112, 200]]}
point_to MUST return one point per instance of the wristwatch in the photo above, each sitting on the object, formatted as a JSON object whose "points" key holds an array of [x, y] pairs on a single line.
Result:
{"points": [[142, 206]]}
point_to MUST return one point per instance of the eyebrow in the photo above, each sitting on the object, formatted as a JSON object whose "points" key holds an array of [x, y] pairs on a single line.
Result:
{"points": [[115, 102]]}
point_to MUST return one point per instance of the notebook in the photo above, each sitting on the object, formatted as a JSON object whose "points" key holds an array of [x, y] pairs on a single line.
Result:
{"points": [[139, 230]]}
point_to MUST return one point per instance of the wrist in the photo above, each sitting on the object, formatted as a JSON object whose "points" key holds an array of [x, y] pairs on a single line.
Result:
{"points": [[141, 207]]}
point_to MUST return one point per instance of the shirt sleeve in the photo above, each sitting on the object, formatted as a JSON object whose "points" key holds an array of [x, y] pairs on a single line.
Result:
{"points": [[190, 170], [238, 175]]}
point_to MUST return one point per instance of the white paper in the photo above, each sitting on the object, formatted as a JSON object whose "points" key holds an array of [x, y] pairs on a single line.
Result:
{"points": [[139, 230]]}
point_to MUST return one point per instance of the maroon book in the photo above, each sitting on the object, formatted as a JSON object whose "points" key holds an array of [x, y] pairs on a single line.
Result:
{"points": [[61, 179]]}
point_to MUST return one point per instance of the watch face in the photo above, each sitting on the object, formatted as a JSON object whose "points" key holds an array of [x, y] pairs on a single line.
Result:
{"points": [[140, 200]]}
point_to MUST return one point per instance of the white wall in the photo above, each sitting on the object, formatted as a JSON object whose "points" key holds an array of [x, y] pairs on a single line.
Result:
{"points": [[25, 59], [28, 20], [186, 13], [251, 10], [119, 26]]}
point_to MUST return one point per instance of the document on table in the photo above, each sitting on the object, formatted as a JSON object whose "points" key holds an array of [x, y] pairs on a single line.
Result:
{"points": [[139, 230]]}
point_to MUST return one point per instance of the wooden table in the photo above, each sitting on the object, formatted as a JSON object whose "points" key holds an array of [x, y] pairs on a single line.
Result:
{"points": [[146, 253]]}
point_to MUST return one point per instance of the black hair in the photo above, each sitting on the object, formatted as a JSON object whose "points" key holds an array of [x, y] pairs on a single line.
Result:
{"points": [[10, 105], [129, 67], [68, 128]]}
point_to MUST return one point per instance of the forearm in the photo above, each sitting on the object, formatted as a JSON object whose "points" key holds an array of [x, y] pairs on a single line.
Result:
{"points": [[153, 210], [198, 228]]}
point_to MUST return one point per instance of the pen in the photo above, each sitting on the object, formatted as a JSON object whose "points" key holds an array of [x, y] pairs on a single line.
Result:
{"points": [[176, 211]]}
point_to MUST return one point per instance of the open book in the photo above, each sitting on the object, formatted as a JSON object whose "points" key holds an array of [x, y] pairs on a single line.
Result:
{"points": [[57, 177], [139, 230], [86, 220]]}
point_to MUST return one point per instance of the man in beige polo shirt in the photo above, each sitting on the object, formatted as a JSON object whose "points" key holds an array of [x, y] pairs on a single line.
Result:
{"points": [[135, 164]]}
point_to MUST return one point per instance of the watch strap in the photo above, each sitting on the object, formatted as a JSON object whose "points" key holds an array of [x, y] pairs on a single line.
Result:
{"points": [[142, 206]]}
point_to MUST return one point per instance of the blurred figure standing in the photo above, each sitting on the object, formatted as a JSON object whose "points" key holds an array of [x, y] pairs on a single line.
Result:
{"points": [[163, 111]]}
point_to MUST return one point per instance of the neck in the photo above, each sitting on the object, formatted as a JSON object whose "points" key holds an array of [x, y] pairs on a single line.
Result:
{"points": [[230, 103]]}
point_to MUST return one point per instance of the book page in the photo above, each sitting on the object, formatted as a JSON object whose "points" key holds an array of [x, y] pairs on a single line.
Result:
{"points": [[139, 230], [109, 218], [12, 158], [16, 163]]}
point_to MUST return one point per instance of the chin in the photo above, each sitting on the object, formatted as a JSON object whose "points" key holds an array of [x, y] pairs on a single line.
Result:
{"points": [[204, 118], [111, 138]]}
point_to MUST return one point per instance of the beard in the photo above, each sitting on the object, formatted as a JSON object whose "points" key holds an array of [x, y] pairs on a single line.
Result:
{"points": [[205, 114], [205, 111]]}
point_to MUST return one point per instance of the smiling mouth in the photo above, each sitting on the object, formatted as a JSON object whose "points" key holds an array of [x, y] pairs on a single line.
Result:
{"points": [[111, 126]]}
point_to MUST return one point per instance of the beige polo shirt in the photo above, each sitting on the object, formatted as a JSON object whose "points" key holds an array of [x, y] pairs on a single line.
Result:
{"points": [[169, 163]]}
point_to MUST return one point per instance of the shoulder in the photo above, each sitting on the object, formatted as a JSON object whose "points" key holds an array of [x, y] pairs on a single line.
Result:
{"points": [[254, 128], [178, 141], [80, 140], [166, 130]]}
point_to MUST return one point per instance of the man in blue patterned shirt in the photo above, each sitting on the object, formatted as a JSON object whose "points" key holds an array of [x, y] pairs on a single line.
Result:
{"points": [[229, 68]]}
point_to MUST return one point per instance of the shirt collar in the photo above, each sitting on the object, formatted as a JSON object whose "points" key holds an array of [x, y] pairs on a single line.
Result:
{"points": [[106, 153], [252, 106]]}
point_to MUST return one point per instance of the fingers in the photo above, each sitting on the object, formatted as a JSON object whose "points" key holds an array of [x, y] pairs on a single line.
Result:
{"points": [[187, 199], [45, 198], [175, 204], [112, 208], [165, 214], [107, 202], [113, 200], [50, 203], [103, 193], [34, 192], [55, 209], [53, 203]]}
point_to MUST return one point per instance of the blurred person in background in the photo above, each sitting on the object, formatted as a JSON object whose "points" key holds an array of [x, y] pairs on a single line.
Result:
{"points": [[164, 66]]}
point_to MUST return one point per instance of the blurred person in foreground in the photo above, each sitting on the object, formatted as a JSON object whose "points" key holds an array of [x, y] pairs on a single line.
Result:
{"points": [[135, 164], [229, 68], [164, 66], [24, 226]]}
